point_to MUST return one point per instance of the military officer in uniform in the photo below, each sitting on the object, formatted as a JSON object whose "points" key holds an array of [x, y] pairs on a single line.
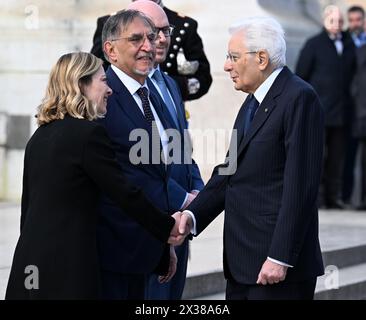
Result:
{"points": [[186, 61]]}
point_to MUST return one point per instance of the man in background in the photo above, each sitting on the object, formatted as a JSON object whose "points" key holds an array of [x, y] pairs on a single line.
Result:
{"points": [[356, 19], [327, 62], [356, 22]]}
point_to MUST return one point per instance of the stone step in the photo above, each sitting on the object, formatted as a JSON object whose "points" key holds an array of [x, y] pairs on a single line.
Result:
{"points": [[348, 283], [349, 261], [204, 284], [345, 257]]}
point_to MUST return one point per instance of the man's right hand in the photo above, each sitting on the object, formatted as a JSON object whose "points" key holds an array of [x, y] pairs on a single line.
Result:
{"points": [[186, 224], [182, 228]]}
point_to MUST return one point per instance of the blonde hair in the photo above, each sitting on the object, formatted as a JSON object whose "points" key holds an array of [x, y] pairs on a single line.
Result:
{"points": [[64, 89]]}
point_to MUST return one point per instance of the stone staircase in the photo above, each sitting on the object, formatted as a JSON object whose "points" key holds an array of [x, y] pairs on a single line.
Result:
{"points": [[343, 242], [342, 239]]}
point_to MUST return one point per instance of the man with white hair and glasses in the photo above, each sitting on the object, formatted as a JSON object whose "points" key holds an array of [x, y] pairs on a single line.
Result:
{"points": [[271, 245]]}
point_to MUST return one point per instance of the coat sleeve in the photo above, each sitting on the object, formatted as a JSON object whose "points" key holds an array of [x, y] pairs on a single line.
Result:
{"points": [[305, 62], [210, 202], [100, 164], [303, 129], [176, 193], [25, 194], [197, 182]]}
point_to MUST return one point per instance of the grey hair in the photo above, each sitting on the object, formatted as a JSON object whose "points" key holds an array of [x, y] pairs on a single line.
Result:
{"points": [[263, 33], [329, 10], [119, 22]]}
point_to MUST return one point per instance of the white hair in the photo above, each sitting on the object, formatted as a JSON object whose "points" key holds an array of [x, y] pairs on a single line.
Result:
{"points": [[263, 33], [328, 10]]}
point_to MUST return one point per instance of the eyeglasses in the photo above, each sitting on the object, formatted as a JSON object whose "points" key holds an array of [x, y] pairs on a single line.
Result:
{"points": [[167, 31], [234, 58], [138, 39]]}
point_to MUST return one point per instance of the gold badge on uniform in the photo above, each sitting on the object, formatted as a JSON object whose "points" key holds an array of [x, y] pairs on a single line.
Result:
{"points": [[187, 115]]}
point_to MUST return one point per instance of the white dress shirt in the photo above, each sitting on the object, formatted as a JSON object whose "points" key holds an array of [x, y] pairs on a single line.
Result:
{"points": [[132, 86], [337, 39], [259, 94]]}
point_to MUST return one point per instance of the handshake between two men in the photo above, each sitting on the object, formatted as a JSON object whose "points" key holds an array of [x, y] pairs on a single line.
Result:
{"points": [[271, 272], [183, 227]]}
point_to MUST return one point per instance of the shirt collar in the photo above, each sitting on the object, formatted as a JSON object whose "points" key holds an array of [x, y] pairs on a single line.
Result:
{"points": [[131, 84], [333, 37], [263, 89]]}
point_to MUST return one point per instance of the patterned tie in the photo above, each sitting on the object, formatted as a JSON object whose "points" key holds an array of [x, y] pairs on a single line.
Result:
{"points": [[164, 91], [155, 135], [249, 115], [144, 96]]}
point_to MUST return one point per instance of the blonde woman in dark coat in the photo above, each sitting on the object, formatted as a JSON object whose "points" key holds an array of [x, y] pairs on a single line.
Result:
{"points": [[68, 161]]}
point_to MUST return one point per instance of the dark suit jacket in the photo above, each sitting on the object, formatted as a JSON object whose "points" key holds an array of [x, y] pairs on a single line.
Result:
{"points": [[329, 74], [359, 94], [125, 247], [270, 201], [67, 163], [186, 175], [186, 37]]}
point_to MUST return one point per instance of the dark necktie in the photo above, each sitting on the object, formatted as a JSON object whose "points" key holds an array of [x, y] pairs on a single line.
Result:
{"points": [[249, 115], [155, 135], [144, 96]]}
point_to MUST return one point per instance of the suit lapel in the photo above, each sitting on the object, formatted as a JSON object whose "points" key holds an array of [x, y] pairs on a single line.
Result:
{"points": [[239, 122], [159, 106], [130, 108], [177, 101], [126, 102], [265, 109], [331, 46], [157, 103]]}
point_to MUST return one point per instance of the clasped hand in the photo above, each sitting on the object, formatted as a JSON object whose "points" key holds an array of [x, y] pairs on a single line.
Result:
{"points": [[182, 228]]}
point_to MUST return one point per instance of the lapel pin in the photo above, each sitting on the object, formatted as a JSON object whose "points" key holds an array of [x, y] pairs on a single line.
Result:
{"points": [[266, 110]]}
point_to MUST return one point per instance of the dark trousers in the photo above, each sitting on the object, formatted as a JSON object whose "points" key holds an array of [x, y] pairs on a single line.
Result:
{"points": [[279, 291], [363, 171], [351, 146], [172, 290], [333, 165], [117, 286]]}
